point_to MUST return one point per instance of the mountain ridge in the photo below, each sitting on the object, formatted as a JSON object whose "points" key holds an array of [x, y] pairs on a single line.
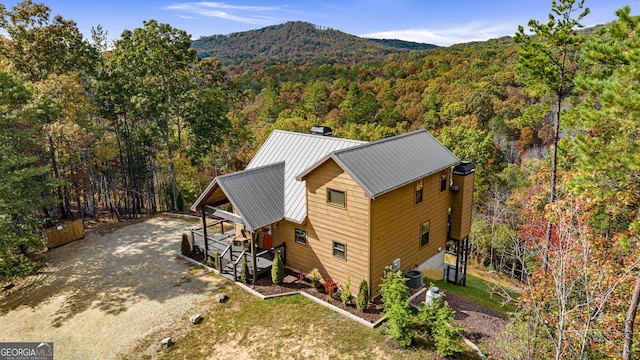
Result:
{"points": [[300, 40]]}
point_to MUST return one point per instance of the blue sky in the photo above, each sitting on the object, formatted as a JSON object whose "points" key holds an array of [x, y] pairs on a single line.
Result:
{"points": [[440, 22]]}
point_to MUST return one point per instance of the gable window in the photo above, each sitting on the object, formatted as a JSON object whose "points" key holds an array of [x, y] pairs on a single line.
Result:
{"points": [[443, 179], [339, 250], [301, 237], [335, 197], [424, 233], [419, 187]]}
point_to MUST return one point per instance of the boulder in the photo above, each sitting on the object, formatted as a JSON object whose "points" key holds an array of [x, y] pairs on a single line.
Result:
{"points": [[220, 298], [166, 342], [196, 319]]}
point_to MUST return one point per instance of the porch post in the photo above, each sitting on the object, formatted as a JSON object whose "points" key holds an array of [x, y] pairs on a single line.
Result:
{"points": [[204, 233], [254, 265]]}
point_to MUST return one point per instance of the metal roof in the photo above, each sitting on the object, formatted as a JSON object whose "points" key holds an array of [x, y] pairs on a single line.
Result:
{"points": [[256, 194], [384, 165], [298, 151]]}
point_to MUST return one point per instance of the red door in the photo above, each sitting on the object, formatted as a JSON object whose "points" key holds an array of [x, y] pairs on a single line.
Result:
{"points": [[267, 241]]}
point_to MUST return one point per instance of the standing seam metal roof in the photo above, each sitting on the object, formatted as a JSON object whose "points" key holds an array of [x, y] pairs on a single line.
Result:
{"points": [[256, 194], [384, 165], [298, 151]]}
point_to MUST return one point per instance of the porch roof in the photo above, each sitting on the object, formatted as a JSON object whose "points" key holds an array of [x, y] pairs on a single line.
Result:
{"points": [[257, 194]]}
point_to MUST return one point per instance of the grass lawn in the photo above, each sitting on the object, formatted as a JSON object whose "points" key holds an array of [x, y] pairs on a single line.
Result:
{"points": [[246, 327], [478, 289]]}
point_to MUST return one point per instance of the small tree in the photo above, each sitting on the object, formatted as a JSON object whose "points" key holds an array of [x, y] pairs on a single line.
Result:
{"points": [[363, 296], [345, 294], [244, 270], [277, 270], [445, 334], [397, 309]]}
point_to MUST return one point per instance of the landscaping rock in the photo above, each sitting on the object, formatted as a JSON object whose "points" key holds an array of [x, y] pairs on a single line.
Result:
{"points": [[196, 319], [221, 298], [166, 342]]}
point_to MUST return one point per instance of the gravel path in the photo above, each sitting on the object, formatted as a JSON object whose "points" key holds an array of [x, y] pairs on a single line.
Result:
{"points": [[107, 297]]}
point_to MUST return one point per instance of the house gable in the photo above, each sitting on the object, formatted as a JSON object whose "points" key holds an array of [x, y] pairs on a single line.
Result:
{"points": [[385, 165]]}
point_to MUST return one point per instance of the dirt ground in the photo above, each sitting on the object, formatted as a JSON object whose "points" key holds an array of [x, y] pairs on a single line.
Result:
{"points": [[105, 297]]}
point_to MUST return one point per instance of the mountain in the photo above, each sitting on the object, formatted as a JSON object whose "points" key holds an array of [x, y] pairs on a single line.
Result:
{"points": [[300, 40]]}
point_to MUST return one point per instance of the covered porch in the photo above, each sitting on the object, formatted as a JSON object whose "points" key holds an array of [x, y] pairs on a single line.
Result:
{"points": [[257, 199], [220, 237]]}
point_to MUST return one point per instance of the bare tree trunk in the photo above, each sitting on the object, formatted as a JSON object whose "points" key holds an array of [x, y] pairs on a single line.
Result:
{"points": [[554, 170], [629, 320]]}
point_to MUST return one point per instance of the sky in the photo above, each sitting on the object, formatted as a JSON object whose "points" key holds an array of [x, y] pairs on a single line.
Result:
{"points": [[439, 22]]}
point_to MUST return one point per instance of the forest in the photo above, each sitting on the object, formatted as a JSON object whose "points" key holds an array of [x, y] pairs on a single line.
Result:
{"points": [[91, 128]]}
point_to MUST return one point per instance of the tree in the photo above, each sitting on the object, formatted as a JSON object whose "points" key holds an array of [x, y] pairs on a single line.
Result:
{"points": [[397, 309], [41, 46], [154, 61], [24, 187], [547, 66], [607, 167]]}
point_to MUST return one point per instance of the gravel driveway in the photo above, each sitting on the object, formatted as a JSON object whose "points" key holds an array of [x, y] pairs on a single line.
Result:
{"points": [[107, 297]]}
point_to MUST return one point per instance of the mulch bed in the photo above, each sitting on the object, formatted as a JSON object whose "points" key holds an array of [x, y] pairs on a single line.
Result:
{"points": [[480, 324], [292, 282]]}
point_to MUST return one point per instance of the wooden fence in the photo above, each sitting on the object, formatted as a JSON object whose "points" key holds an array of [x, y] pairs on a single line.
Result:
{"points": [[62, 234]]}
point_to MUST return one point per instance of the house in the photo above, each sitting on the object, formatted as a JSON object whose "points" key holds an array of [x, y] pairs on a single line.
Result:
{"points": [[346, 207]]}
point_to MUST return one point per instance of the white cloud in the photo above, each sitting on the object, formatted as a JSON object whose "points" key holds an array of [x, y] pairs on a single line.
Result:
{"points": [[447, 36], [238, 13]]}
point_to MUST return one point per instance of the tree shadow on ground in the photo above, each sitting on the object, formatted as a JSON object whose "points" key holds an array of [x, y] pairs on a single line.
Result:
{"points": [[111, 273]]}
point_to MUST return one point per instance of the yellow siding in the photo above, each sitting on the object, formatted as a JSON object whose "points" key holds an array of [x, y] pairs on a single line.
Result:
{"points": [[397, 223], [327, 223]]}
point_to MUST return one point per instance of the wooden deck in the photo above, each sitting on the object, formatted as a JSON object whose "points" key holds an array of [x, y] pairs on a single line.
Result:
{"points": [[230, 254]]}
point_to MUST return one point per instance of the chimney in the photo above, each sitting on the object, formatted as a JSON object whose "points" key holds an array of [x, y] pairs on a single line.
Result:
{"points": [[321, 130], [462, 188]]}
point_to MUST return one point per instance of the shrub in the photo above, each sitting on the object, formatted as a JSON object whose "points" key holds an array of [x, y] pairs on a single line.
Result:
{"points": [[363, 296], [244, 270], [185, 246], [397, 309], [437, 319], [316, 278], [277, 270], [345, 294]]}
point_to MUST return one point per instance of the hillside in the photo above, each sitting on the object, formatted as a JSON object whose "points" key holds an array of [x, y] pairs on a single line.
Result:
{"points": [[300, 40]]}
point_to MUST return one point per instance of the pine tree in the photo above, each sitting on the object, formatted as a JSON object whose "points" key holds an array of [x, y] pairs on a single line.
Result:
{"points": [[547, 66]]}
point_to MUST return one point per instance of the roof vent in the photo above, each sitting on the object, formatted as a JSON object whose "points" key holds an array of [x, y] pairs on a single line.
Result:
{"points": [[321, 130]]}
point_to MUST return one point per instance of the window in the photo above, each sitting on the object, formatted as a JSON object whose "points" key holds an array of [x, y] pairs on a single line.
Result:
{"points": [[443, 179], [419, 186], [339, 250], [301, 237], [335, 197], [424, 233]]}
